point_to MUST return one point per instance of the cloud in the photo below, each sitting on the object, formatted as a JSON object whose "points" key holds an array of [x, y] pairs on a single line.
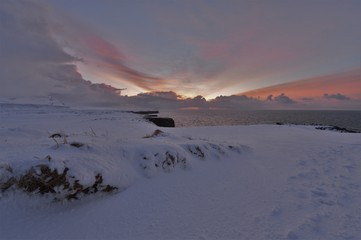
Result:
{"points": [[171, 100], [253, 47], [25, 36], [347, 82], [163, 95], [152, 100], [269, 98], [32, 62], [337, 96], [236, 102], [97, 52], [282, 98]]}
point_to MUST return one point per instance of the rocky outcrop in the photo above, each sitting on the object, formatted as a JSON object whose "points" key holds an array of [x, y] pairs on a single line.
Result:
{"points": [[335, 128], [161, 122]]}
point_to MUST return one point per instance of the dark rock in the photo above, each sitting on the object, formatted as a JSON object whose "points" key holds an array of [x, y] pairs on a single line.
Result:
{"points": [[145, 112], [77, 144], [335, 128], [162, 122], [151, 115]]}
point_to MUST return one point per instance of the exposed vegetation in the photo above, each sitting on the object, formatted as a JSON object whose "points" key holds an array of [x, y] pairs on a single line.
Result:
{"points": [[154, 134], [41, 179]]}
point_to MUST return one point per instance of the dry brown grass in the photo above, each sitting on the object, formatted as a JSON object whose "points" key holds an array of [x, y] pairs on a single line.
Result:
{"points": [[154, 134]]}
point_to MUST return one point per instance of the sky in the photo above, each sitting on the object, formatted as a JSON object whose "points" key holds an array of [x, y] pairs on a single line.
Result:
{"points": [[295, 53]]}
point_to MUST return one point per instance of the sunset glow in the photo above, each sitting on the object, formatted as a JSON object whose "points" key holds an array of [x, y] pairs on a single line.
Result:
{"points": [[347, 83], [307, 51], [183, 47]]}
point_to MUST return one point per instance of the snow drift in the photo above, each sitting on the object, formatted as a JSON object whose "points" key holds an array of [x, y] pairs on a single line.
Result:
{"points": [[237, 182]]}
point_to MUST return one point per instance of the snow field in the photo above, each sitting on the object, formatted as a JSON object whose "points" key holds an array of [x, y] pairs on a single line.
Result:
{"points": [[237, 182]]}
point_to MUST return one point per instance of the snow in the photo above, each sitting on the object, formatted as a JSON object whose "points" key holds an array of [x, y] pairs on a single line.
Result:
{"points": [[235, 182]]}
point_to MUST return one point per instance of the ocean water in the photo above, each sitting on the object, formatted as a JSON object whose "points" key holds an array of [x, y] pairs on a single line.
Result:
{"points": [[350, 120]]}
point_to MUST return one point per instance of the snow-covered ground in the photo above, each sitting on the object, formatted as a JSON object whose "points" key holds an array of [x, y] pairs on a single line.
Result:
{"points": [[237, 182]]}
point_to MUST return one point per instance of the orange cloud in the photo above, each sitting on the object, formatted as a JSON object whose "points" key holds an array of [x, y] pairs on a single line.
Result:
{"points": [[348, 83]]}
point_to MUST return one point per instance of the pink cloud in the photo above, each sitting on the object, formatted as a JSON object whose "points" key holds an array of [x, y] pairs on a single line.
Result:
{"points": [[98, 52], [348, 83]]}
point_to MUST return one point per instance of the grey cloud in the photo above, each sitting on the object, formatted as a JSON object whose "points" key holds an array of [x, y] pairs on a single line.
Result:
{"points": [[269, 98], [152, 100], [164, 95], [33, 64], [282, 98], [25, 36], [237, 102], [170, 100], [337, 96]]}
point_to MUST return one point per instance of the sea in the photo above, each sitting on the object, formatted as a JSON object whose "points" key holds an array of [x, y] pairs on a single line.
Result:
{"points": [[350, 120]]}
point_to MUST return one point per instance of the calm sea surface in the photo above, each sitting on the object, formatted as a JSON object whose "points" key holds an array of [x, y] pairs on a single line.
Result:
{"points": [[188, 118]]}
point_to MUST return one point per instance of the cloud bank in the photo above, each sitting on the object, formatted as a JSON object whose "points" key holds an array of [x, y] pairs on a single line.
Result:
{"points": [[171, 100], [33, 63], [282, 98], [337, 96]]}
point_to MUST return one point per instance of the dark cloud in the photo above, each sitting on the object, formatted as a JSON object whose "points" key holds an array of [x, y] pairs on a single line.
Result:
{"points": [[152, 100], [269, 98], [165, 100], [170, 100], [163, 95], [282, 98], [196, 102], [337, 96]]}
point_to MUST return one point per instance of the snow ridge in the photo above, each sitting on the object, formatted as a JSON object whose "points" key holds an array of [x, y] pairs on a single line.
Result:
{"points": [[66, 165]]}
